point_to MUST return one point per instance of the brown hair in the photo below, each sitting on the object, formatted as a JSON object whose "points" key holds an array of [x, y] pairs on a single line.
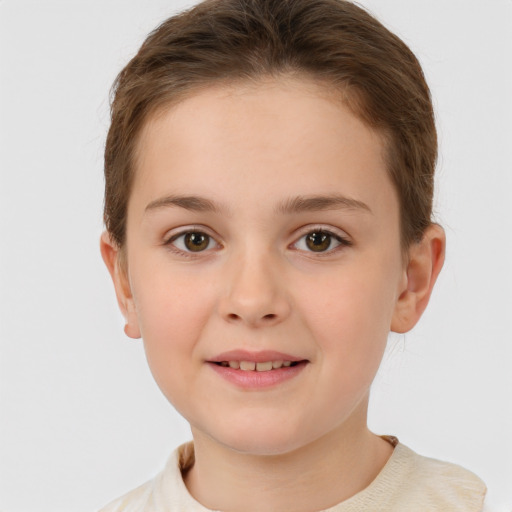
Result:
{"points": [[332, 41]]}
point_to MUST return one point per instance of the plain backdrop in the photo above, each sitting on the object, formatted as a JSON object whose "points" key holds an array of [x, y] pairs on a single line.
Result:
{"points": [[81, 420]]}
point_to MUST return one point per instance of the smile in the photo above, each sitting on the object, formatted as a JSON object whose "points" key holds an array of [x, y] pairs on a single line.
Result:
{"points": [[257, 370], [265, 366]]}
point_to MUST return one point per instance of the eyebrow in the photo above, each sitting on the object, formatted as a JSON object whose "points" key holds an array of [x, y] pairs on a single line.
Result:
{"points": [[319, 203], [192, 203], [296, 204]]}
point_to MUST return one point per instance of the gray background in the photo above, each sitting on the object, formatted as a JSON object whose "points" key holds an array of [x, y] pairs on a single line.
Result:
{"points": [[81, 420]]}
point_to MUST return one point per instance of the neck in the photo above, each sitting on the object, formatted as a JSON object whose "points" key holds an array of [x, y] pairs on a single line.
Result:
{"points": [[317, 476]]}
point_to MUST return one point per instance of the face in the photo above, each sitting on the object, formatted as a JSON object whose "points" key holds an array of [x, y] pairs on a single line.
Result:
{"points": [[263, 232]]}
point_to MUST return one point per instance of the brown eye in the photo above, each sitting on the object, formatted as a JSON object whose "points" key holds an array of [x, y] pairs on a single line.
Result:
{"points": [[192, 241], [321, 241], [196, 242], [318, 241]]}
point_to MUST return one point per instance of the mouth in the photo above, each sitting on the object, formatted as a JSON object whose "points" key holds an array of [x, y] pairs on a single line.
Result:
{"points": [[257, 370], [253, 366]]}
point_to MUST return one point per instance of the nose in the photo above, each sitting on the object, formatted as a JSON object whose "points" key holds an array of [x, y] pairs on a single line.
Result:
{"points": [[255, 292]]}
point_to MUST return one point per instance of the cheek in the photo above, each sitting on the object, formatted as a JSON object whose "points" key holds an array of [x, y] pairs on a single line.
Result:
{"points": [[168, 300], [172, 311], [350, 314]]}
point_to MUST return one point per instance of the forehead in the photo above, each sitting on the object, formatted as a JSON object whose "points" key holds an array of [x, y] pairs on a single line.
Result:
{"points": [[278, 135]]}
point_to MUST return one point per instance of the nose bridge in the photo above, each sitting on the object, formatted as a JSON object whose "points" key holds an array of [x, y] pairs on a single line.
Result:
{"points": [[255, 291]]}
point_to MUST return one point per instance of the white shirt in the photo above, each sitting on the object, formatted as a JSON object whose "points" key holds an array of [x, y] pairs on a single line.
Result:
{"points": [[407, 483]]}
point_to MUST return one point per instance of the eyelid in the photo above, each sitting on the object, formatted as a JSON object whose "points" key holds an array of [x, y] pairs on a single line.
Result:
{"points": [[192, 228], [339, 235], [176, 233]]}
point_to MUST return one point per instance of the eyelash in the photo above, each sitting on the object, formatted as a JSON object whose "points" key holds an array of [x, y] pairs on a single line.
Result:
{"points": [[170, 243], [340, 240], [334, 237]]}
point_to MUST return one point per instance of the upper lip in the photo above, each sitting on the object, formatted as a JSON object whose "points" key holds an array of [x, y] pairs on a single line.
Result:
{"points": [[260, 356]]}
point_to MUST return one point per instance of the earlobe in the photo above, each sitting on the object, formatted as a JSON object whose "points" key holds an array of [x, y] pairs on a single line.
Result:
{"points": [[426, 260], [111, 255]]}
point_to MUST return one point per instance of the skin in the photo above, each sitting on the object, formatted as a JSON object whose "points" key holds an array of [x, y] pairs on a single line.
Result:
{"points": [[302, 445]]}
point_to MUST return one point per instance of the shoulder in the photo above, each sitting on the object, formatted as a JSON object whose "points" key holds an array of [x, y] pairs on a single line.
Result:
{"points": [[410, 482], [134, 501], [437, 484], [163, 493]]}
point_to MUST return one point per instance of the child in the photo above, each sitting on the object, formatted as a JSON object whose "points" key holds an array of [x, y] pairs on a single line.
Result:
{"points": [[269, 180]]}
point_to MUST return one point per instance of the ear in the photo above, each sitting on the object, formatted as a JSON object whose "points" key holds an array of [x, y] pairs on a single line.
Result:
{"points": [[425, 261], [112, 257]]}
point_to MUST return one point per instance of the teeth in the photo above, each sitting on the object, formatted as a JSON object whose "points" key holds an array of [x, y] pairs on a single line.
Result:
{"points": [[259, 367], [264, 367]]}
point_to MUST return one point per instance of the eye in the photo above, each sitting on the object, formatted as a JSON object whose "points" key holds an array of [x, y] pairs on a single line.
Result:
{"points": [[193, 241], [320, 241]]}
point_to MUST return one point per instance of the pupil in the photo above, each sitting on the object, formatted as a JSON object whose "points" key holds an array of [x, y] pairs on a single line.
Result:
{"points": [[318, 241], [196, 241]]}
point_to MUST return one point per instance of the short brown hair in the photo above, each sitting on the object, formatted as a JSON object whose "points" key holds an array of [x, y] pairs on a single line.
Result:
{"points": [[332, 41]]}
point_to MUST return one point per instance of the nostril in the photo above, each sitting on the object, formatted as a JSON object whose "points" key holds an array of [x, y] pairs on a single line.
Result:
{"points": [[269, 317]]}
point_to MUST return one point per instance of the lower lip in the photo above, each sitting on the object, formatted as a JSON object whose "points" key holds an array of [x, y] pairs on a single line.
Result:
{"points": [[253, 379]]}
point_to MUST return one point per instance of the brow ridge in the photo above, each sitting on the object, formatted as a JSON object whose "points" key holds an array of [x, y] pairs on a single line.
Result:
{"points": [[192, 203], [292, 205], [300, 204]]}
